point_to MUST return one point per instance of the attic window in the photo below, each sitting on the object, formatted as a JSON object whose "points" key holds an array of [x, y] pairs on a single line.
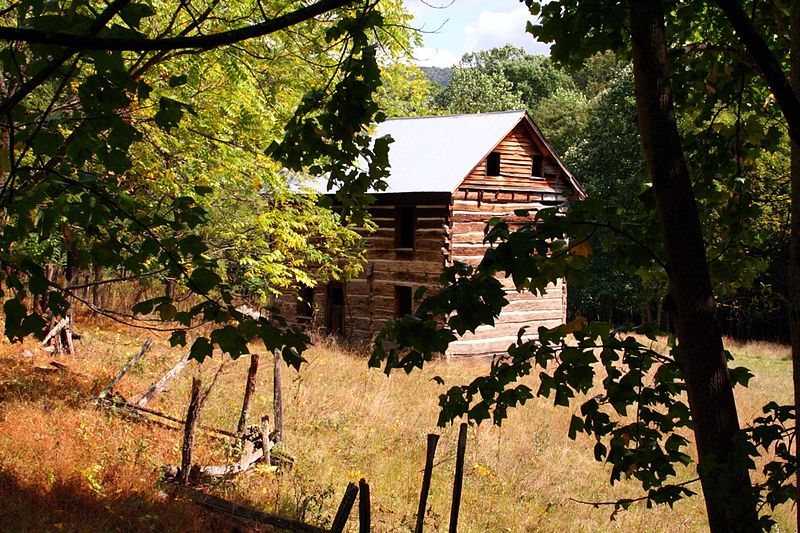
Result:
{"points": [[405, 225], [305, 302], [493, 164], [538, 163], [402, 300]]}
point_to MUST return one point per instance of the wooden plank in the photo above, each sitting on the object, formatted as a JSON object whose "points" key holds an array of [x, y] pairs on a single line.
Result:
{"points": [[228, 508], [458, 479], [349, 498], [430, 453], [363, 506], [277, 394], [471, 237], [393, 255], [162, 384], [192, 416], [249, 390], [146, 346]]}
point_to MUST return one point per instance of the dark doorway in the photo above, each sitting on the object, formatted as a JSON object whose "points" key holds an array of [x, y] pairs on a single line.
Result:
{"points": [[335, 316], [403, 301]]}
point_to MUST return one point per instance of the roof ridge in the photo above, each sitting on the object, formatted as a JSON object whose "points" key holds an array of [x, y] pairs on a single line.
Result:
{"points": [[458, 115]]}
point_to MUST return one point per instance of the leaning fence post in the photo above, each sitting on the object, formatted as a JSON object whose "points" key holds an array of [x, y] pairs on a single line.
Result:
{"points": [[277, 395], [249, 390], [108, 390], [265, 439], [459, 478], [430, 452], [189, 431], [363, 506], [345, 507]]}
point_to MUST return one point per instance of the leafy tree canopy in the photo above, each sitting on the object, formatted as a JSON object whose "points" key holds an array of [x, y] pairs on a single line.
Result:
{"points": [[169, 163]]}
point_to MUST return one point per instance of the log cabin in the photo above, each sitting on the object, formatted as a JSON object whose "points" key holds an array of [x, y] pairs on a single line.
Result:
{"points": [[449, 175]]}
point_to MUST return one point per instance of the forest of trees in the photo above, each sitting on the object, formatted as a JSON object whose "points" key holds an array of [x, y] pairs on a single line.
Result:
{"points": [[588, 113], [161, 150]]}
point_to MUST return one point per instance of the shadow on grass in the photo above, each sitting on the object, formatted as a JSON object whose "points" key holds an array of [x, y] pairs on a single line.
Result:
{"points": [[72, 505], [27, 383]]}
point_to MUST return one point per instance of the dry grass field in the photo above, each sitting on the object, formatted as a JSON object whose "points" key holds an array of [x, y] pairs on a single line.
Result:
{"points": [[66, 465]]}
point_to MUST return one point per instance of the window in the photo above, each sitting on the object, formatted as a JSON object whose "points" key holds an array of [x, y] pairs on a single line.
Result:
{"points": [[538, 162], [405, 226], [402, 300], [305, 302], [493, 164]]}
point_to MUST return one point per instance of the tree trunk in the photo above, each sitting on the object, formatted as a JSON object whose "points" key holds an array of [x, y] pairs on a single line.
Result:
{"points": [[277, 399], [249, 390], [794, 253], [726, 484], [98, 290]]}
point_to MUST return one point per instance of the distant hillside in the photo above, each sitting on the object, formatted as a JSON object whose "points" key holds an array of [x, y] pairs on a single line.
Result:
{"points": [[438, 75]]}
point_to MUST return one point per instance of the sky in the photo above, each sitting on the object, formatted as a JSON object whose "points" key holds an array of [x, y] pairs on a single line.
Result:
{"points": [[453, 27]]}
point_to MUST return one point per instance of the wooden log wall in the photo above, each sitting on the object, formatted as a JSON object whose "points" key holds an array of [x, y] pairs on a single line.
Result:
{"points": [[480, 198], [516, 166], [370, 298]]}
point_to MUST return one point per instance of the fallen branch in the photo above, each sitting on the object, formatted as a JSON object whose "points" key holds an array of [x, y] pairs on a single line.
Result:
{"points": [[228, 508], [146, 346], [141, 413], [162, 384], [56, 329]]}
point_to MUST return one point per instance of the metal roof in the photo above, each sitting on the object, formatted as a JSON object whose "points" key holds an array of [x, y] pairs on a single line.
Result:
{"points": [[436, 153]]}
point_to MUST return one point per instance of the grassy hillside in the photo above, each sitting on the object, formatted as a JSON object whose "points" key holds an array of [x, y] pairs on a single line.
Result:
{"points": [[66, 465]]}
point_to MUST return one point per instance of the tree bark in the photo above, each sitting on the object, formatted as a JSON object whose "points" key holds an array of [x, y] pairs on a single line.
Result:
{"points": [[249, 390], [794, 252], [98, 290], [277, 398], [192, 416], [726, 484], [162, 384]]}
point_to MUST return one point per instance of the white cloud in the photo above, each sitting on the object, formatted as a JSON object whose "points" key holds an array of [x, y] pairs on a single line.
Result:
{"points": [[434, 57], [497, 28]]}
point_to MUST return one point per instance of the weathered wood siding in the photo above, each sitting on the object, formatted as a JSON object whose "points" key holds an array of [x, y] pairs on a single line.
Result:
{"points": [[370, 298], [480, 198]]}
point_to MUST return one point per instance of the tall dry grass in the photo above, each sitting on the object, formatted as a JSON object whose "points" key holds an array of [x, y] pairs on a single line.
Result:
{"points": [[84, 469]]}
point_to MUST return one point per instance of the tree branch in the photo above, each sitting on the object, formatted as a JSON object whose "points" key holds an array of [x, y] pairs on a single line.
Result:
{"points": [[41, 76], [767, 63], [206, 42]]}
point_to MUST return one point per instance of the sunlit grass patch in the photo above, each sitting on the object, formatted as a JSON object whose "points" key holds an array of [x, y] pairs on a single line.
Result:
{"points": [[74, 464]]}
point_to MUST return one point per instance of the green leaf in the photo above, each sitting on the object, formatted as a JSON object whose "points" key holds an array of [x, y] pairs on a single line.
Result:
{"points": [[47, 143], [178, 338], [134, 13], [575, 426], [177, 81], [201, 348], [204, 280], [230, 341], [740, 375], [167, 311], [170, 112]]}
